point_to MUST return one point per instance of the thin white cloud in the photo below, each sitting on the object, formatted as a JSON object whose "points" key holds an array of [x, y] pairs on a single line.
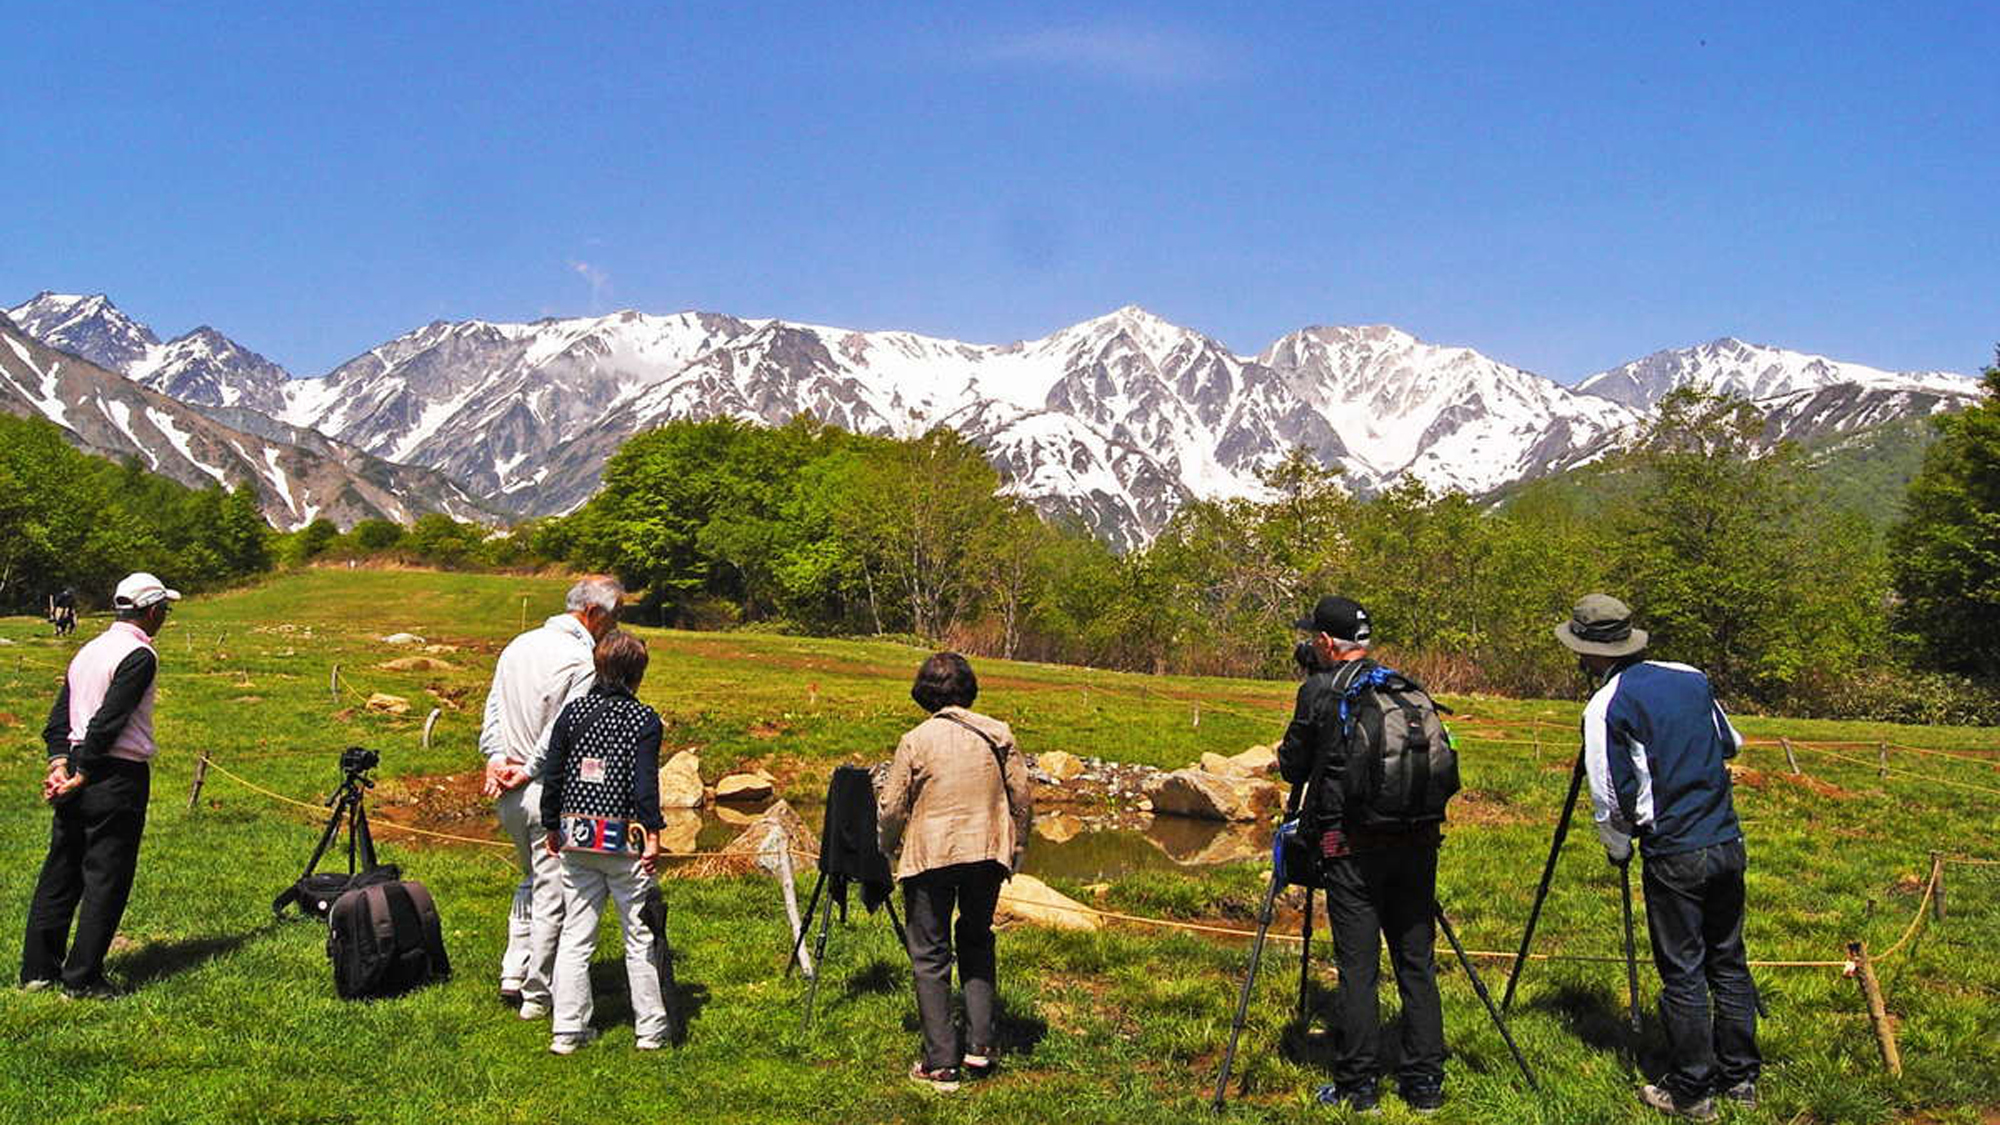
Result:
{"points": [[599, 281], [1124, 49]]}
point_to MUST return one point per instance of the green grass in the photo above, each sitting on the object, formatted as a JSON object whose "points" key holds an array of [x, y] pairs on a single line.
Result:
{"points": [[235, 1018]]}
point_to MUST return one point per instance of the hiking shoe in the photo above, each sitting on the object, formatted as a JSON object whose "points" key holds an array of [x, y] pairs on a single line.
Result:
{"points": [[41, 985], [1743, 1094], [649, 1042], [567, 1044], [510, 994], [1422, 1097], [1697, 1109], [943, 1080], [976, 1064], [98, 990], [1360, 1097], [534, 1010]]}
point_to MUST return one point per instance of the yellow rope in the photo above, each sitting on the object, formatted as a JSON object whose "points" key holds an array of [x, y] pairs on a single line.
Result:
{"points": [[1930, 888]]}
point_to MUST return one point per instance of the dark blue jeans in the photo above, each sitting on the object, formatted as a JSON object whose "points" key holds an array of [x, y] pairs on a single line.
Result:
{"points": [[1694, 913]]}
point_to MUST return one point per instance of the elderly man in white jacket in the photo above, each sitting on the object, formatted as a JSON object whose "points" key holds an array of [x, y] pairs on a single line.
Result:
{"points": [[538, 672]]}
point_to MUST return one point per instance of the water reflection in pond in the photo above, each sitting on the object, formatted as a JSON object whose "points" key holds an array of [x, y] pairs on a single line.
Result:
{"points": [[1065, 844]]}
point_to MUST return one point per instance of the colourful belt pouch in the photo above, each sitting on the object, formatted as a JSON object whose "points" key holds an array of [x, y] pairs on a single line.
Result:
{"points": [[603, 834]]}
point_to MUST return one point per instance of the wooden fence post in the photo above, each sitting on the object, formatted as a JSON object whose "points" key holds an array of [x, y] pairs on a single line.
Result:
{"points": [[1791, 758], [1882, 760], [200, 775], [429, 723], [1197, 714], [1878, 1014], [1937, 886], [333, 683]]}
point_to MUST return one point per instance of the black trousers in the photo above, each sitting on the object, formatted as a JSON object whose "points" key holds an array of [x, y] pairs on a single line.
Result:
{"points": [[93, 853], [928, 899], [1694, 914], [1389, 893]]}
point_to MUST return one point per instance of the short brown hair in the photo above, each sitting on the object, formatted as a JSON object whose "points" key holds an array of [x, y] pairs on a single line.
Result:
{"points": [[621, 659], [945, 680]]}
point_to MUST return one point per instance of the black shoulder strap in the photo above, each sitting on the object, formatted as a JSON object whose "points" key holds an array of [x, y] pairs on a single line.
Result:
{"points": [[999, 754], [1341, 688]]}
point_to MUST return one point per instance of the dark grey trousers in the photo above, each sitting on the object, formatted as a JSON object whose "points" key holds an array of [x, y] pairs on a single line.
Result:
{"points": [[93, 854], [928, 899]]}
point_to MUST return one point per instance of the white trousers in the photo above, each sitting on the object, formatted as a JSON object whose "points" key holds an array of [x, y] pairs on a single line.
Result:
{"points": [[536, 919], [588, 877]]}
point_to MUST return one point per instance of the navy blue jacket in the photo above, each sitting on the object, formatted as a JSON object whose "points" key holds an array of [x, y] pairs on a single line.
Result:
{"points": [[1654, 744]]}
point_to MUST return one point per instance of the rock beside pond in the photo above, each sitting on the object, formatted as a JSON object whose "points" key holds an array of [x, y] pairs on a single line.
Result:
{"points": [[1058, 828], [388, 704], [1025, 898], [1059, 764], [743, 787], [1257, 761], [682, 831], [680, 782], [1208, 796]]}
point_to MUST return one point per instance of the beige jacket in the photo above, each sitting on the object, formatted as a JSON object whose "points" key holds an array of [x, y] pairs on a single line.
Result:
{"points": [[945, 800]]}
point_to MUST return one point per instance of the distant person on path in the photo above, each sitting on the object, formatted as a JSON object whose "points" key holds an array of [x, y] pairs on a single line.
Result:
{"points": [[62, 611], [601, 812], [100, 741], [953, 817], [538, 673], [1655, 743], [1380, 883]]}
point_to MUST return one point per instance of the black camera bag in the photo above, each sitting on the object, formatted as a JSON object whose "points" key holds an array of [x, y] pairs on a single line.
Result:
{"points": [[316, 893], [384, 939]]}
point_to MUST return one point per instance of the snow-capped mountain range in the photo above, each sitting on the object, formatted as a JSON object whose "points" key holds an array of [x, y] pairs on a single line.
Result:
{"points": [[1117, 420]]}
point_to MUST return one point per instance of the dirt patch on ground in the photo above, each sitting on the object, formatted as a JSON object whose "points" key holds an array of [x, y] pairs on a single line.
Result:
{"points": [[9, 719], [448, 803], [1483, 807], [1762, 780]]}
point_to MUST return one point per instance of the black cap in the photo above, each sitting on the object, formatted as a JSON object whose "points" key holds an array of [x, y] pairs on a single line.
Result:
{"points": [[1337, 617]]}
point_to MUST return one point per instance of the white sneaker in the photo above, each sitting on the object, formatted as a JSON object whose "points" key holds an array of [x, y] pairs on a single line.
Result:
{"points": [[534, 1010], [567, 1044], [650, 1042]]}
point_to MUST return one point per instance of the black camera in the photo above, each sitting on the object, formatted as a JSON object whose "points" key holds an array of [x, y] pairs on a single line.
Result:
{"points": [[358, 759], [1307, 657]]}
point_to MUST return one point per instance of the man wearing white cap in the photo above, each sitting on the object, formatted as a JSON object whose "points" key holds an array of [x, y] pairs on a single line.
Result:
{"points": [[100, 741]]}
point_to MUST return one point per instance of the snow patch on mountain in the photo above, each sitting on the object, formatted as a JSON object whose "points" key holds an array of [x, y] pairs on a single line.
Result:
{"points": [[1755, 371]]}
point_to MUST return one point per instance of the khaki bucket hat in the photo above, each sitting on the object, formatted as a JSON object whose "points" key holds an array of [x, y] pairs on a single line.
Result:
{"points": [[1601, 625]]}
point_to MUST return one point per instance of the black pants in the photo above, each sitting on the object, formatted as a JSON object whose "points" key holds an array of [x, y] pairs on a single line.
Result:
{"points": [[1694, 913], [1390, 893], [93, 852], [927, 902]]}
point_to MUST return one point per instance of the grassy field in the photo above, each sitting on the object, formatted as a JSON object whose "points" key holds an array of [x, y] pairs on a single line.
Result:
{"points": [[234, 1019]]}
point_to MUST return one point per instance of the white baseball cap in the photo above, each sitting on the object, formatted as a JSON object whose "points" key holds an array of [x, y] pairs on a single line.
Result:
{"points": [[140, 590]]}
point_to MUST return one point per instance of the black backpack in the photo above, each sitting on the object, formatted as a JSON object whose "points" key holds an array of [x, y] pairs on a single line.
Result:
{"points": [[1399, 766], [384, 940]]}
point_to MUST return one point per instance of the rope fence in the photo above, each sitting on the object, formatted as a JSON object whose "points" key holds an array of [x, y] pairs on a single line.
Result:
{"points": [[1848, 965]]}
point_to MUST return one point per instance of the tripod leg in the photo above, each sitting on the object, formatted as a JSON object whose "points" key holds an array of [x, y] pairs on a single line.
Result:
{"points": [[1631, 952], [805, 927], [1249, 981], [1479, 986], [1548, 876], [1305, 955], [896, 923], [819, 963]]}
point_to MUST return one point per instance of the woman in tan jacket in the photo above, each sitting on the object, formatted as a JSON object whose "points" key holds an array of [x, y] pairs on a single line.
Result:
{"points": [[954, 815]]}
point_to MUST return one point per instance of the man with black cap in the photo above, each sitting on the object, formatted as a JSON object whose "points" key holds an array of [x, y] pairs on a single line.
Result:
{"points": [[100, 741], [1379, 884], [1654, 743]]}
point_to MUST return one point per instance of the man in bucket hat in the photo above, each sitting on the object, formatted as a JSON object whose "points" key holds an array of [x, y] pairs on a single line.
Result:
{"points": [[100, 742], [1655, 742]]}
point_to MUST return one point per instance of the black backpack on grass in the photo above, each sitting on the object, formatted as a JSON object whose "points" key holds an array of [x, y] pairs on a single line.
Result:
{"points": [[384, 939]]}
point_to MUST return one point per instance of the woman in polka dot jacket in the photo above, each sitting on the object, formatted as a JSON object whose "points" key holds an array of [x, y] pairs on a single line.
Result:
{"points": [[601, 808]]}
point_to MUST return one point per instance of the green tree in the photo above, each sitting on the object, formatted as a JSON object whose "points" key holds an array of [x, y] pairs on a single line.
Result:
{"points": [[1946, 548], [376, 534]]}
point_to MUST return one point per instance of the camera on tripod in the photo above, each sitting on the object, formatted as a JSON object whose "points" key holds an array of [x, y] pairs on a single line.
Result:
{"points": [[357, 760]]}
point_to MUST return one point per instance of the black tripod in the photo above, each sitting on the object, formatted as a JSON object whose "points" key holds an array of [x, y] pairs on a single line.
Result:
{"points": [[351, 810], [1287, 837], [835, 885]]}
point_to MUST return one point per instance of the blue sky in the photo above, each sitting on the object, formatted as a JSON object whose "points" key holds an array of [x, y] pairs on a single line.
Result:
{"points": [[1562, 186]]}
